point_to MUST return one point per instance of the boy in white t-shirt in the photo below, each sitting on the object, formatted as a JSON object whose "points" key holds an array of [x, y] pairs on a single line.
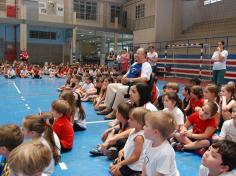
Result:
{"points": [[159, 156], [219, 159], [228, 130]]}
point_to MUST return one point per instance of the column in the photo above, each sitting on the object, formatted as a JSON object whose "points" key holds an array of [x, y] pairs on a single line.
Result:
{"points": [[116, 35], [73, 40], [103, 50], [23, 29]]}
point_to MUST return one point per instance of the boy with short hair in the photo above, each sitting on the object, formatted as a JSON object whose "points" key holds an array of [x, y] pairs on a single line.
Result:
{"points": [[219, 160], [169, 87], [10, 137]]}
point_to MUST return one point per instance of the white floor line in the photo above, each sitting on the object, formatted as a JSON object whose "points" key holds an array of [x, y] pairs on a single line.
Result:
{"points": [[63, 166], [17, 89], [102, 121]]}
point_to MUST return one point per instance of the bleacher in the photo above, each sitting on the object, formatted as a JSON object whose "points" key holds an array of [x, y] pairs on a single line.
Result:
{"points": [[215, 28]]}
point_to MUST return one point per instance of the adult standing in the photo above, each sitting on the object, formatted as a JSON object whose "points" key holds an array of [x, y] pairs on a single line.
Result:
{"points": [[140, 71], [24, 56], [219, 58], [152, 57], [124, 59], [110, 59]]}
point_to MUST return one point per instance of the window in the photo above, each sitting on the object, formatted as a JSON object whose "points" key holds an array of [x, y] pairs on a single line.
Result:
{"points": [[86, 10], [115, 12], [2, 5], [140, 11], [207, 2], [43, 35]]}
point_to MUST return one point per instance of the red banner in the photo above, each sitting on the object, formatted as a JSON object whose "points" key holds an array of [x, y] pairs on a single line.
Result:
{"points": [[11, 11]]}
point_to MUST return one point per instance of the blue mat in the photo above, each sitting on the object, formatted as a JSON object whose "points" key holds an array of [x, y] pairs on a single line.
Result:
{"points": [[21, 97]]}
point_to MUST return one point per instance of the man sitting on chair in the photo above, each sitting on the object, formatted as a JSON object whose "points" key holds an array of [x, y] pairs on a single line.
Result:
{"points": [[140, 71]]}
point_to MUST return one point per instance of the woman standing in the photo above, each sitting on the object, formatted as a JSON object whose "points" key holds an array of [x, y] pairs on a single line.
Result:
{"points": [[219, 63]]}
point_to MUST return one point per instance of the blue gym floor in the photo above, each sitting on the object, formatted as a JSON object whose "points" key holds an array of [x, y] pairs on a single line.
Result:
{"points": [[21, 97]]}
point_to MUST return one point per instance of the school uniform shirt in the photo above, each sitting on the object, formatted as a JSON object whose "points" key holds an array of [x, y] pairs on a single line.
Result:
{"points": [[196, 103], [64, 130], [4, 167], [228, 131], [178, 115], [199, 125], [204, 171], [57, 142], [129, 148], [160, 159], [149, 106], [88, 87], [50, 168]]}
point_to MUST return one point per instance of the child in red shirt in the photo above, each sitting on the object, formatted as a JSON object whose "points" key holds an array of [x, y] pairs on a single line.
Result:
{"points": [[196, 100], [204, 126], [62, 125]]}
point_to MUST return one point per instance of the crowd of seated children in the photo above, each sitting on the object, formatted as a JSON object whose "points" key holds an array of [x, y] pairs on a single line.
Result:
{"points": [[203, 109]]}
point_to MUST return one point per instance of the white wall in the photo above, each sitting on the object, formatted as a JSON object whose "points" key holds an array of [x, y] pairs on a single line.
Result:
{"points": [[190, 13], [164, 20]]}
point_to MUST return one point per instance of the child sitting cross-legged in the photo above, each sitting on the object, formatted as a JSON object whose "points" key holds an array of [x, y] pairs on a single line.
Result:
{"points": [[111, 146], [131, 158], [204, 126], [219, 160], [62, 125], [228, 130]]}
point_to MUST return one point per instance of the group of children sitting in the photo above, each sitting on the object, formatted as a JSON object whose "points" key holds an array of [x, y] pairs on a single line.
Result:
{"points": [[192, 126], [25, 70], [140, 142]]}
